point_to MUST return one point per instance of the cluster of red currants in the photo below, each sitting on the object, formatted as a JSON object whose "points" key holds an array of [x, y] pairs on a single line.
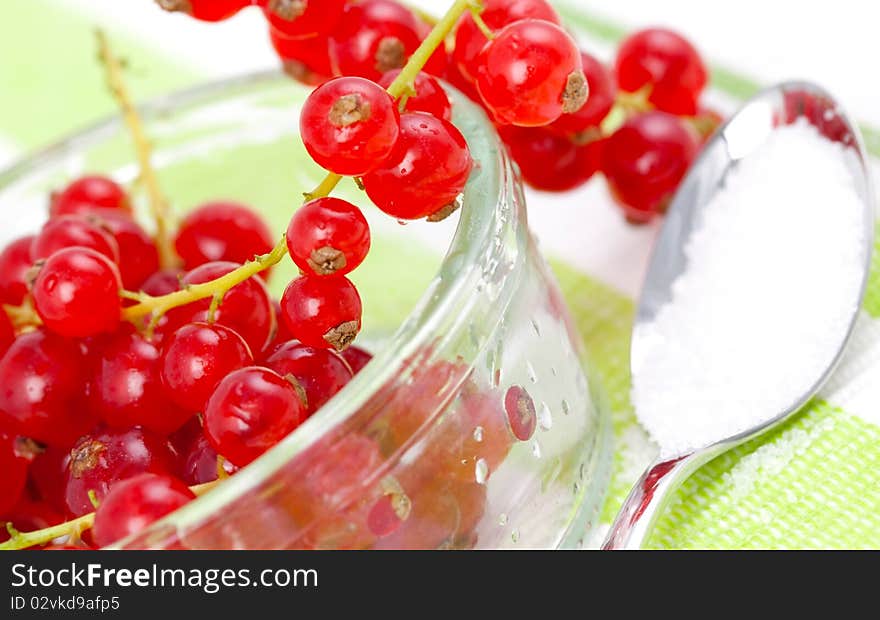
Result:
{"points": [[642, 124], [88, 399]]}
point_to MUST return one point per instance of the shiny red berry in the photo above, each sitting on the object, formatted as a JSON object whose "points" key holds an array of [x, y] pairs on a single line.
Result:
{"points": [[198, 459], [126, 388], [7, 332], [322, 311], [41, 388], [247, 308], [222, 231], [328, 236], [299, 19], [205, 10], [320, 372], [163, 282], [16, 454], [196, 358], [429, 95], [666, 64], [602, 91], [550, 161], [356, 357], [67, 231], [305, 60], [530, 74], [250, 411], [470, 40], [349, 125], [87, 193], [138, 255], [645, 160], [102, 459], [135, 503], [15, 263], [425, 172], [375, 36], [76, 293]]}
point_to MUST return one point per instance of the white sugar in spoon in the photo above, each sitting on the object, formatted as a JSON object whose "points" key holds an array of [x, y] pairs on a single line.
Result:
{"points": [[738, 140]]}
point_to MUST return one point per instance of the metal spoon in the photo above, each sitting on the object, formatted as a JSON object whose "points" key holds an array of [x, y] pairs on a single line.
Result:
{"points": [[735, 141]]}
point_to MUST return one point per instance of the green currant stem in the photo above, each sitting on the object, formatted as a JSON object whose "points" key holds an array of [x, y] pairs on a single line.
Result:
{"points": [[143, 149], [435, 39], [155, 307], [23, 316], [478, 20], [24, 540]]}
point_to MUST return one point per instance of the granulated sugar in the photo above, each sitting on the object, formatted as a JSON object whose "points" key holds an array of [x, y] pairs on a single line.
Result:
{"points": [[773, 270]]}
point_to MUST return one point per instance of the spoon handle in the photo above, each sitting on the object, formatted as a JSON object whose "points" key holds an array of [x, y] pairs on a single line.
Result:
{"points": [[648, 498]]}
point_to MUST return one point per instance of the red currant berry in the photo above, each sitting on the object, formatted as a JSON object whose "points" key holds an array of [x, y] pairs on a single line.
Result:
{"points": [[356, 357], [467, 87], [429, 95], [15, 263], [322, 312], [645, 160], [305, 60], [302, 18], [222, 231], [7, 332], [163, 282], [76, 293], [550, 161], [667, 64], [375, 36], [470, 40], [521, 414], [349, 125], [100, 460], [328, 236], [247, 308], [250, 411], [320, 372], [138, 256], [530, 74], [47, 474], [196, 358], [87, 193], [586, 120], [282, 334], [16, 454], [425, 172], [205, 10], [198, 458], [126, 388], [41, 388], [135, 503], [68, 231]]}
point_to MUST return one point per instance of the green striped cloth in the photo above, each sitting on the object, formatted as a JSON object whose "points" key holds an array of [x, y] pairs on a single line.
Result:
{"points": [[814, 483]]}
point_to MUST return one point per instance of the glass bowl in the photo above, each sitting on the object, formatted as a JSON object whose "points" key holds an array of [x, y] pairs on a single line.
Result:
{"points": [[476, 424]]}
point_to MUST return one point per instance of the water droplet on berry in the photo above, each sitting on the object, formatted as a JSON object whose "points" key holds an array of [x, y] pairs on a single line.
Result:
{"points": [[478, 434], [481, 471]]}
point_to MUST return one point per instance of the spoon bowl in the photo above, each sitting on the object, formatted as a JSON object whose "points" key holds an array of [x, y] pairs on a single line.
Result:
{"points": [[743, 134]]}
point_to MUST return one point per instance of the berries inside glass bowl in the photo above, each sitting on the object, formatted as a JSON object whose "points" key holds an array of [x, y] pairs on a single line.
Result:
{"points": [[142, 361]]}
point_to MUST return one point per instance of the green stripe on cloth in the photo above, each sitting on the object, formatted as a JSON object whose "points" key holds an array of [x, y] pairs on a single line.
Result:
{"points": [[50, 78]]}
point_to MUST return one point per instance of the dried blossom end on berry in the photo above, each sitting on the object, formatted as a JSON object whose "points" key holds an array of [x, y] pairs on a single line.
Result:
{"points": [[326, 261], [348, 110], [342, 335], [576, 91], [391, 54], [287, 9]]}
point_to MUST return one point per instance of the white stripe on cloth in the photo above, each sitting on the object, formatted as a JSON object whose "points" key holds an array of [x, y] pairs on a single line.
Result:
{"points": [[855, 386]]}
